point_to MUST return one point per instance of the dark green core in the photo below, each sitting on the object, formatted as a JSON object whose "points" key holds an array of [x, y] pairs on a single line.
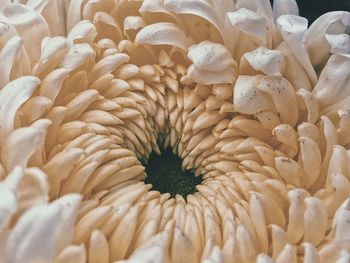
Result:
{"points": [[165, 174]]}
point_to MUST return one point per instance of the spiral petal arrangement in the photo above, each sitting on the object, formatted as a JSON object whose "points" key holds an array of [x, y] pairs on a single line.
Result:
{"points": [[248, 96]]}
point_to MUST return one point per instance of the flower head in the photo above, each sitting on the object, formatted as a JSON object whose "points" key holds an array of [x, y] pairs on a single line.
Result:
{"points": [[250, 97]]}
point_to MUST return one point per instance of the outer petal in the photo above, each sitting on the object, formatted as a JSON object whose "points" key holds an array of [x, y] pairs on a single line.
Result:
{"points": [[283, 96], [339, 43], [70, 204], [164, 34], [292, 29], [8, 57], [30, 139], [247, 98], [330, 23], [334, 82], [12, 97], [211, 77], [195, 14], [52, 52], [51, 11], [285, 7], [34, 237], [82, 32], [210, 56], [8, 206], [249, 22], [269, 62], [30, 25]]}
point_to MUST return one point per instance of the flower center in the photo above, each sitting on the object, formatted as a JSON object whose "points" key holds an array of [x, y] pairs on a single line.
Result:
{"points": [[164, 172]]}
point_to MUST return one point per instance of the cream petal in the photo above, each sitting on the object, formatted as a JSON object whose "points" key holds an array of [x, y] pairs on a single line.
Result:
{"points": [[191, 11], [83, 32], [285, 7], [52, 52], [269, 62], [333, 85], [247, 98], [72, 254], [211, 77], [51, 12], [70, 205], [315, 40], [133, 22], [8, 206], [12, 96], [30, 138], [33, 239], [210, 56], [293, 30], [339, 43], [7, 30], [74, 14], [164, 34], [283, 96], [94, 6], [8, 56], [341, 221], [294, 71], [78, 55], [30, 25], [250, 23]]}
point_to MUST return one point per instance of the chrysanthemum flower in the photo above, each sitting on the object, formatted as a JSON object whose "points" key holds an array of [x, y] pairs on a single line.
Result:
{"points": [[252, 100]]}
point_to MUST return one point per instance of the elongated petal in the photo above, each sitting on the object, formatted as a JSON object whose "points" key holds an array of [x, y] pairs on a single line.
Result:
{"points": [[8, 56], [8, 206], [293, 29], [30, 138], [12, 96], [34, 238], [30, 25]]}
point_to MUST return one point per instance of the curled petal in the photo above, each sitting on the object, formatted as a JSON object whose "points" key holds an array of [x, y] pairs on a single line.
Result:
{"points": [[333, 85], [332, 23], [311, 104], [83, 32], [30, 25], [52, 53], [339, 43], [249, 22], [164, 34], [247, 98], [269, 62], [78, 55], [12, 96], [198, 14], [132, 24], [283, 96], [210, 56]]}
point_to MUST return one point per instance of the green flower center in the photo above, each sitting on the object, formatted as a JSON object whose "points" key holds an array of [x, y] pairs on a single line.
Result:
{"points": [[164, 172]]}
